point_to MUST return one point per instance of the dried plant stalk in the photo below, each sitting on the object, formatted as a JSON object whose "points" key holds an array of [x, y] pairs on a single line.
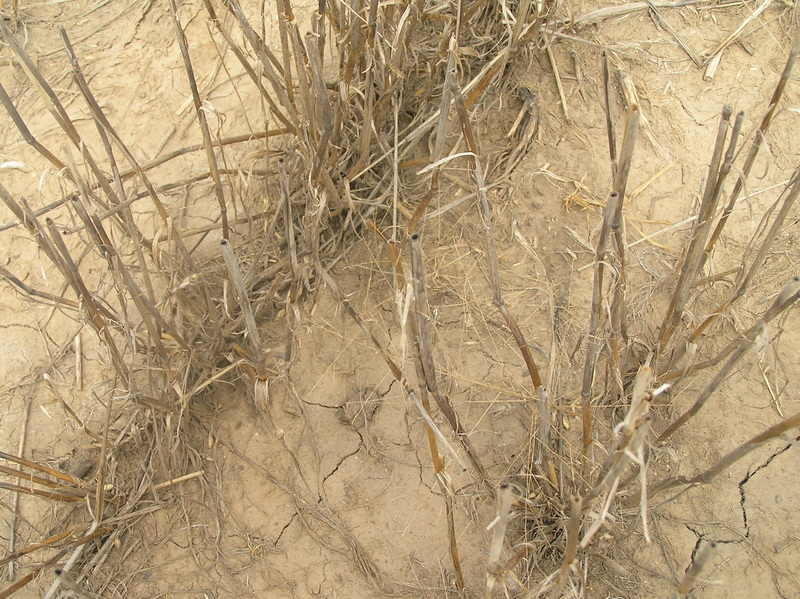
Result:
{"points": [[786, 201], [151, 164], [632, 431], [521, 17], [699, 560], [692, 259], [314, 49], [48, 542], [284, 10], [755, 146], [237, 280], [593, 340], [56, 108], [54, 248], [610, 132], [573, 532], [201, 118], [438, 464], [35, 293], [65, 579], [441, 130], [393, 367], [62, 118], [723, 173], [626, 154], [559, 86], [629, 447], [786, 298], [152, 319], [105, 130], [89, 303], [56, 495], [619, 316], [488, 236], [25, 132], [499, 526], [730, 458], [268, 61], [251, 73], [11, 589], [32, 478], [423, 336]]}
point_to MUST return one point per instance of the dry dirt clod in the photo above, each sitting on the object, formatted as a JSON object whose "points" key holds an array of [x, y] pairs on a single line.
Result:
{"points": [[359, 407]]}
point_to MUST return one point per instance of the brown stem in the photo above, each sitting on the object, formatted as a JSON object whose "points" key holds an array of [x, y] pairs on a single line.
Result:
{"points": [[573, 531], [699, 560], [730, 458], [488, 236], [594, 326], [610, 133], [267, 59], [237, 281], [25, 132], [56, 108], [788, 296], [758, 140], [201, 118], [423, 337], [692, 259]]}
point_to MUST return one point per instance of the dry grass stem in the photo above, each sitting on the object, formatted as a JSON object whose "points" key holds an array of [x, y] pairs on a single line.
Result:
{"points": [[393, 367], [239, 287], [787, 297], [728, 459], [573, 532], [488, 236], [498, 527], [610, 129], [699, 560], [200, 110], [423, 343], [747, 273], [593, 339], [692, 258], [619, 316], [559, 86], [610, 12], [755, 146], [367, 113], [735, 34], [681, 42], [409, 316], [65, 580]]}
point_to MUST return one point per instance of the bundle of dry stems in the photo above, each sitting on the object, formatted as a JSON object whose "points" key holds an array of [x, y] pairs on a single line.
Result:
{"points": [[366, 114]]}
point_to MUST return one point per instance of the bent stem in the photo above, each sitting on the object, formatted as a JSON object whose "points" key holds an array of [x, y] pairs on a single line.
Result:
{"points": [[787, 297], [730, 458]]}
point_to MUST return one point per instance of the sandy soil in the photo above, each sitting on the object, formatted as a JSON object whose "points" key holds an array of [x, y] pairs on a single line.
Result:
{"points": [[347, 503]]}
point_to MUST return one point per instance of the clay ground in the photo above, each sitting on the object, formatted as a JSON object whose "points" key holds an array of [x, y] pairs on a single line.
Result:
{"points": [[346, 504]]}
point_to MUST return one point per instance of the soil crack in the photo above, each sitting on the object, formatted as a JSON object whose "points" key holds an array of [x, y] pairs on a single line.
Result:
{"points": [[746, 479], [745, 535], [283, 530], [344, 457]]}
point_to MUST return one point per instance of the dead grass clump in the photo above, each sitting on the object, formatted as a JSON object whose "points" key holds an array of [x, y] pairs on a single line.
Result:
{"points": [[349, 114], [367, 117]]}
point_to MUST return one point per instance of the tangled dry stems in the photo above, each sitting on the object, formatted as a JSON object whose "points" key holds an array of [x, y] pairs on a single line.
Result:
{"points": [[365, 150]]}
